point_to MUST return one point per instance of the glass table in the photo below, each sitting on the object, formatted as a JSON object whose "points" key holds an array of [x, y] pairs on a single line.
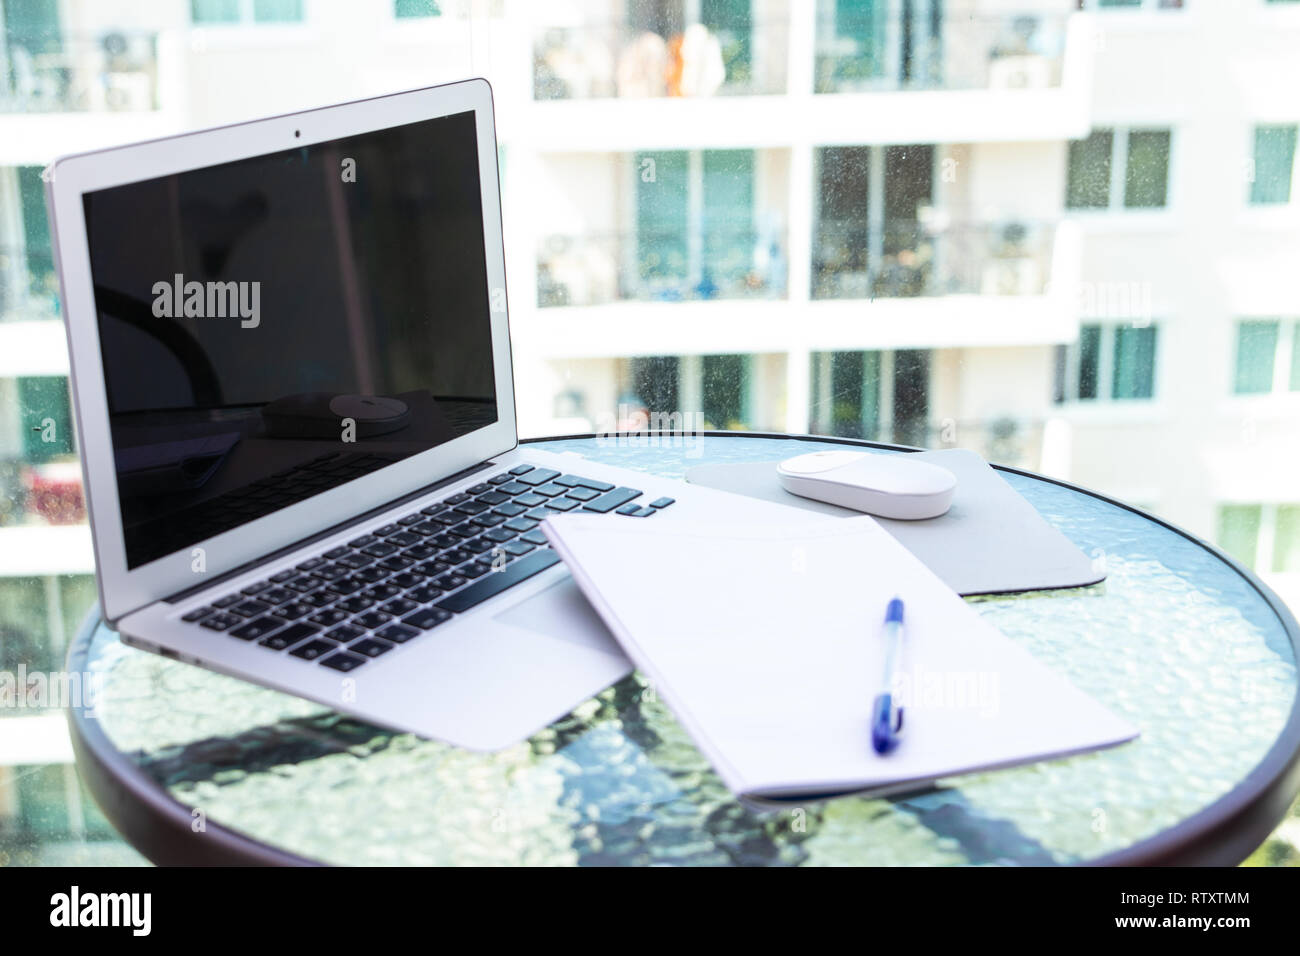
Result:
{"points": [[194, 767]]}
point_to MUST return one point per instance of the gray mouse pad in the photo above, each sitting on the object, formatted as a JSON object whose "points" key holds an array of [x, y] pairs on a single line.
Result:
{"points": [[991, 541]]}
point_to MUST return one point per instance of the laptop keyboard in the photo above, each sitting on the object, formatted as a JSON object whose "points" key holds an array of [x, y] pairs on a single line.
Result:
{"points": [[358, 601]]}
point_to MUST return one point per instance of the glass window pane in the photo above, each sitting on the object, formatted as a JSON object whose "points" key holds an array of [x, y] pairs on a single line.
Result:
{"points": [[1135, 362], [1089, 361], [1146, 174], [661, 207], [725, 379], [1286, 539], [1239, 532], [729, 233], [45, 413], [1088, 178], [214, 11], [1295, 357], [1274, 161], [277, 11], [1256, 350], [415, 8]]}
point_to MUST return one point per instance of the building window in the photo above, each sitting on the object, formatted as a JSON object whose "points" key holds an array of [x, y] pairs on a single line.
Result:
{"points": [[1273, 166], [411, 9], [1268, 357], [1264, 537], [1114, 362], [206, 12], [1129, 4], [876, 395], [1119, 168]]}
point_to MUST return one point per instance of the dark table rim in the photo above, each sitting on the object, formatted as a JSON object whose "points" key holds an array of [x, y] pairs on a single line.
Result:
{"points": [[1221, 834]]}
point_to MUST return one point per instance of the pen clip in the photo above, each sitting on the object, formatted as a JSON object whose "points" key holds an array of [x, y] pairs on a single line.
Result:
{"points": [[886, 724]]}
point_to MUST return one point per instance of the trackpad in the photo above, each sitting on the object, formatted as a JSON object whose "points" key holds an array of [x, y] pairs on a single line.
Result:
{"points": [[562, 612]]}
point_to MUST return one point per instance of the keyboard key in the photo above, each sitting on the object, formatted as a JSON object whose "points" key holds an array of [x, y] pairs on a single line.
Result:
{"points": [[597, 485], [477, 545], [537, 476], [370, 647], [346, 633], [521, 524], [662, 502], [336, 553], [403, 539], [499, 535], [354, 561], [372, 619], [381, 592], [538, 514], [424, 593], [257, 588], [332, 572], [644, 512], [329, 616], [550, 489], [250, 609], [433, 509], [521, 469], [425, 529], [611, 500], [276, 596], [466, 530], [409, 520], [447, 518], [405, 580], [493, 498], [254, 629], [417, 552], [499, 479], [519, 547], [456, 499], [629, 509], [311, 564], [472, 508], [361, 542], [569, 481], [478, 489], [562, 504], [343, 661], [197, 614], [531, 500], [509, 510], [305, 583], [398, 562], [227, 601], [313, 649], [320, 598], [294, 634], [355, 605], [387, 530], [293, 610], [399, 606], [582, 494], [397, 633], [220, 621], [493, 584], [475, 569], [449, 582], [513, 488], [535, 537], [285, 576], [428, 618], [381, 550]]}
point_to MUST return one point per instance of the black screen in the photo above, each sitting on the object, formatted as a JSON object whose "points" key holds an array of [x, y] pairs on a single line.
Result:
{"points": [[274, 327]]}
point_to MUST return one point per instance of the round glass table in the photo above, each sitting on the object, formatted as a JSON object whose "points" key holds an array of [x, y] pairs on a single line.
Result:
{"points": [[194, 767]]}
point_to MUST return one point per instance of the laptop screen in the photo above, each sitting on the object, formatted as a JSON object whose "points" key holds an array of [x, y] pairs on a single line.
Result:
{"points": [[274, 327]]}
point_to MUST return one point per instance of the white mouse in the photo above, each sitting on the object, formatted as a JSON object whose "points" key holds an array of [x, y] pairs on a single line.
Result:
{"points": [[891, 486]]}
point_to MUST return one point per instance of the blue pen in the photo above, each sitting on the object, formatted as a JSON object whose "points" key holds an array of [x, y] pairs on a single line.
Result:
{"points": [[886, 718]]}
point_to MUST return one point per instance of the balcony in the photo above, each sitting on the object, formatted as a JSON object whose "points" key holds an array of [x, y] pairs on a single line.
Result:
{"points": [[911, 260], [613, 59], [60, 73], [660, 267], [886, 50]]}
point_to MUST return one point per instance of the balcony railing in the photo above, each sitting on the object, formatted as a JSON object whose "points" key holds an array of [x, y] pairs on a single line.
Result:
{"points": [[49, 73], [660, 267], [907, 259], [614, 60], [958, 52], [29, 287]]}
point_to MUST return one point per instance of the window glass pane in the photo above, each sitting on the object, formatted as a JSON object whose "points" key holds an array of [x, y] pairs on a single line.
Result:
{"points": [[415, 8], [729, 233], [45, 414], [730, 21], [1089, 361], [1295, 357], [1146, 175], [1135, 362], [1088, 181], [277, 11], [724, 382], [214, 11], [1274, 160], [840, 247], [653, 385], [1286, 539], [1256, 350], [661, 208], [1239, 532]]}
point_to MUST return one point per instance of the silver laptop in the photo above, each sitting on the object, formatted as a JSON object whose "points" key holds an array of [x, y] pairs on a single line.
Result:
{"points": [[292, 375]]}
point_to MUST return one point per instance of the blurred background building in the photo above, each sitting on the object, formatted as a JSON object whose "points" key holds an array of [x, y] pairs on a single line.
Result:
{"points": [[1060, 232]]}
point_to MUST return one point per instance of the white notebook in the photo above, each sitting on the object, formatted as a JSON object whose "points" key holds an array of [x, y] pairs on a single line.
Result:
{"points": [[765, 642]]}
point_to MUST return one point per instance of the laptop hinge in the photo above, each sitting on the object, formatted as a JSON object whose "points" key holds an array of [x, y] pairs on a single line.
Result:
{"points": [[321, 535]]}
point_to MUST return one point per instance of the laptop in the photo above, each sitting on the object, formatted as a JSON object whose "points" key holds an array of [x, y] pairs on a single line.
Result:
{"points": [[292, 378]]}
